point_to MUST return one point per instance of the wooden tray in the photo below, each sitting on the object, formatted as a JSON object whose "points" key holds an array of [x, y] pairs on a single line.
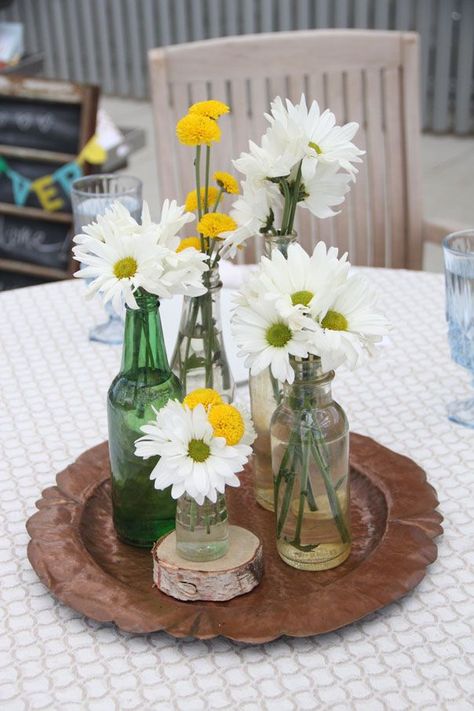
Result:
{"points": [[77, 555]]}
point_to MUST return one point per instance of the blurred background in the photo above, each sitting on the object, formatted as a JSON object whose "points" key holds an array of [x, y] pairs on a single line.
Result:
{"points": [[105, 42]]}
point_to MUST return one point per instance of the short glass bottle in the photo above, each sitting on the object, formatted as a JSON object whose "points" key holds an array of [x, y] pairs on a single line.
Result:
{"points": [[199, 359], [310, 456], [202, 531], [145, 382], [265, 394]]}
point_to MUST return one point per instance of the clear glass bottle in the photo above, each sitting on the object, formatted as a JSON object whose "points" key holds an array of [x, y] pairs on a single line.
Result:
{"points": [[310, 457], [265, 394], [141, 513], [202, 531], [199, 359]]}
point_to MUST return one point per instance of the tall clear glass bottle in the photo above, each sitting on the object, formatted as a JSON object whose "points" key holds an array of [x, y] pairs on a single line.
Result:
{"points": [[199, 359], [310, 456], [141, 513], [265, 393]]}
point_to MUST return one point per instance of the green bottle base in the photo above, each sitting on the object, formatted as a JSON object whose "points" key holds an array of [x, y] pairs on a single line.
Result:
{"points": [[136, 536]]}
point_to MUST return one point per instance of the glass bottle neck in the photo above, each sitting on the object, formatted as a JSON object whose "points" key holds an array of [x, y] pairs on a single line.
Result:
{"points": [[143, 345], [279, 242], [311, 387], [212, 279]]}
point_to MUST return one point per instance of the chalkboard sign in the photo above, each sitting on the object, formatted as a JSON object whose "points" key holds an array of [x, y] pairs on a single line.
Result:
{"points": [[44, 125]]}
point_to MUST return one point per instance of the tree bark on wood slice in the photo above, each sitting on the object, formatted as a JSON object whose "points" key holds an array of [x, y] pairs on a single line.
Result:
{"points": [[236, 573]]}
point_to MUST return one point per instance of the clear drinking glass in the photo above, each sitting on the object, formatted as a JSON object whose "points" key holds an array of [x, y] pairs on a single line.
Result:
{"points": [[458, 249], [90, 197]]}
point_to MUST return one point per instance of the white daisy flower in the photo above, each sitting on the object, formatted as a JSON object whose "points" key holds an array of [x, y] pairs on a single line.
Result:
{"points": [[172, 220], [116, 219], [192, 444], [266, 338], [263, 162], [301, 282], [312, 136], [129, 256], [350, 327], [326, 189], [251, 211], [121, 265]]}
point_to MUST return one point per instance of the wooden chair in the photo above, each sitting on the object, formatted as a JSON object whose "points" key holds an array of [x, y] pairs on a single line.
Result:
{"points": [[366, 76]]}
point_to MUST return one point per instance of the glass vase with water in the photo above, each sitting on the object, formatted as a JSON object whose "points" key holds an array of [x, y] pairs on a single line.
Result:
{"points": [[458, 249], [92, 196]]}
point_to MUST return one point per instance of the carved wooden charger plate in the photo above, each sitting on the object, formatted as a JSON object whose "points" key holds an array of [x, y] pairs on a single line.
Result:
{"points": [[77, 555]]}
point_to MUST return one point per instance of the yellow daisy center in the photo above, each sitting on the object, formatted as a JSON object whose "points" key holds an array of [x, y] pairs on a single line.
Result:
{"points": [[125, 268], [191, 203], [301, 297], [198, 450], [202, 396], [189, 242], [195, 130], [278, 335], [212, 108], [315, 147], [213, 223], [227, 182], [227, 422], [335, 321]]}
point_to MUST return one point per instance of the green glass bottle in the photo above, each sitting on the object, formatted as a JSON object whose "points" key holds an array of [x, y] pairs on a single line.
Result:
{"points": [[141, 513]]}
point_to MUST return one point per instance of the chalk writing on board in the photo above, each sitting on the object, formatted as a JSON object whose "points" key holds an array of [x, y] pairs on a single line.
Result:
{"points": [[25, 121], [36, 241]]}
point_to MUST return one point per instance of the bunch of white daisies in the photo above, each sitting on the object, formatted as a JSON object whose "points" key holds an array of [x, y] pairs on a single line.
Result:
{"points": [[304, 158], [120, 256], [202, 443], [306, 305]]}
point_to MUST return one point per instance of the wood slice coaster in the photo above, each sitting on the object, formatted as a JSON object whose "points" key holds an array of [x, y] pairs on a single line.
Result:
{"points": [[236, 573], [77, 555]]}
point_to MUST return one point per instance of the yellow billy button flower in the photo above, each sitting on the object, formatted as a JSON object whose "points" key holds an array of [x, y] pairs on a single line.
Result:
{"points": [[191, 203], [202, 396], [196, 130], [125, 268], [335, 321], [213, 223], [227, 422], [212, 108], [226, 182], [189, 242]]}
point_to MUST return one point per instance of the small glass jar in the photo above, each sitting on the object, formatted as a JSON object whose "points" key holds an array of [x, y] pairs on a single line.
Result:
{"points": [[202, 531], [265, 394], [310, 457]]}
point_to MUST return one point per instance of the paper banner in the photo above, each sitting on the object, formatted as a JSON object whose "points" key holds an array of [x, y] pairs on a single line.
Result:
{"points": [[47, 193], [66, 175], [44, 186], [92, 153], [21, 186]]}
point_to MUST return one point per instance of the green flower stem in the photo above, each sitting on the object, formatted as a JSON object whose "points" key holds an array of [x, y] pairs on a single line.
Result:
{"points": [[197, 168], [290, 482], [305, 441], [192, 515], [206, 190], [287, 206], [332, 496], [219, 195], [294, 200]]}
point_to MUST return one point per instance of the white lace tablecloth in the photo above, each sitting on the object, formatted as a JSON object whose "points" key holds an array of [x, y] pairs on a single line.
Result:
{"points": [[416, 653]]}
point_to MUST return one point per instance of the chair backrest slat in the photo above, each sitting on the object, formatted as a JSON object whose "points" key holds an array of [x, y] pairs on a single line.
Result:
{"points": [[366, 76]]}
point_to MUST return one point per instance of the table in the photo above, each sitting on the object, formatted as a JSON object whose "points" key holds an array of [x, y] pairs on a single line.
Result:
{"points": [[416, 653]]}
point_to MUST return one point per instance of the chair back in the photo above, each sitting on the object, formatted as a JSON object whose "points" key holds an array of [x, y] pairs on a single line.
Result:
{"points": [[366, 76]]}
